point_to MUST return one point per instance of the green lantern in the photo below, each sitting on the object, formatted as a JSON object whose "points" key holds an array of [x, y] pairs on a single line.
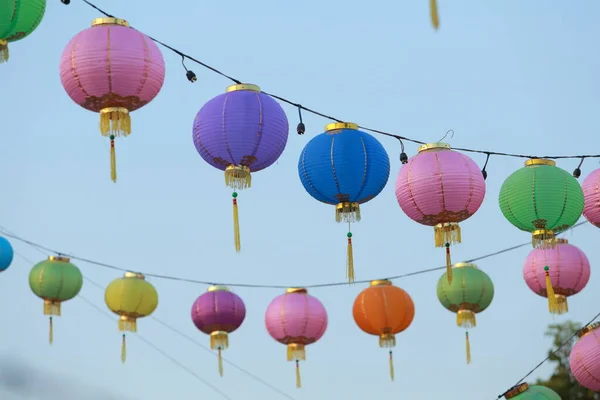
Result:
{"points": [[526, 392], [18, 19], [470, 292], [55, 280], [542, 199]]}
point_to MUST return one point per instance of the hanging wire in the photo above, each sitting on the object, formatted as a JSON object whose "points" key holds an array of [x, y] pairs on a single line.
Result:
{"points": [[190, 75], [577, 171], [483, 171], [301, 128]]}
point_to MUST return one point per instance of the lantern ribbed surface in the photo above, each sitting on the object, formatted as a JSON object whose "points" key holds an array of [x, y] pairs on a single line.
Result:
{"points": [[55, 280], [6, 254], [585, 358], [110, 65], [19, 18], [541, 196], [344, 165], [439, 185], [218, 310], [591, 192], [471, 289], [241, 128]]}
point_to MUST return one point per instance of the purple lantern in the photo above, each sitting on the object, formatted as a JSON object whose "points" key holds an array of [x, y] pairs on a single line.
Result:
{"points": [[217, 313], [296, 319], [240, 132]]}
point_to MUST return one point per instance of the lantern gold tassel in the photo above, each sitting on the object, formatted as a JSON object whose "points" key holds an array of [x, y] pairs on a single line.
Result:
{"points": [[115, 121], [350, 260], [435, 19], [391, 366], [448, 232], [296, 352], [466, 319], [3, 51], [448, 264], [123, 350], [51, 308], [238, 177], [219, 340], [113, 159], [51, 332], [468, 348], [127, 324], [298, 378], [562, 304], [236, 224], [220, 356], [552, 302]]}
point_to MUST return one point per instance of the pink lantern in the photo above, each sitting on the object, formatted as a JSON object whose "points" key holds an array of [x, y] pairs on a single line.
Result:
{"points": [[112, 69], [296, 319], [440, 187], [567, 269], [591, 193], [585, 357]]}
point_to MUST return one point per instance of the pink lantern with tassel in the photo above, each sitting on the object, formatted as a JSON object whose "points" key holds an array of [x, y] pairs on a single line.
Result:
{"points": [[561, 271], [585, 357], [591, 193]]}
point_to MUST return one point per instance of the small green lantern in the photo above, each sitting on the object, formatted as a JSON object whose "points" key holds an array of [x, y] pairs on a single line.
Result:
{"points": [[526, 392], [18, 19], [55, 280], [470, 292], [542, 199]]}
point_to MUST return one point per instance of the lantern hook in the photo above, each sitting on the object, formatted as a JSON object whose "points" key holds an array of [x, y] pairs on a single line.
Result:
{"points": [[449, 132]]}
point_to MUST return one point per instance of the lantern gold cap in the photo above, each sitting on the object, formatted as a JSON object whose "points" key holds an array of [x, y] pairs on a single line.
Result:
{"points": [[380, 282], [341, 125], [110, 21], [218, 288], [59, 259], [433, 146], [242, 86], [540, 161], [561, 241], [464, 265], [137, 275], [296, 290], [588, 329], [517, 390]]}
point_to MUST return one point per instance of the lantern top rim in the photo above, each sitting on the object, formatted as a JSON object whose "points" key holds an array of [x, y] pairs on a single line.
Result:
{"points": [[242, 86], [540, 161], [341, 125], [296, 290], [433, 146], [218, 288], [59, 259], [517, 390], [465, 265], [381, 282], [588, 329], [136, 275], [561, 241], [110, 21]]}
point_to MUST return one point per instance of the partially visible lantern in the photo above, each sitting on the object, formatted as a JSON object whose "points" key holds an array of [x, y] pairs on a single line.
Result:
{"points": [[591, 193], [131, 297], [344, 167], [470, 293], [384, 310], [542, 199], [112, 69], [525, 392], [18, 19], [565, 266], [6, 254], [55, 281], [240, 132], [296, 319], [440, 187], [585, 357], [218, 312]]}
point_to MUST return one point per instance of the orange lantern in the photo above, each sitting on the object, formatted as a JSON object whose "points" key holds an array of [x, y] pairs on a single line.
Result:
{"points": [[384, 310]]}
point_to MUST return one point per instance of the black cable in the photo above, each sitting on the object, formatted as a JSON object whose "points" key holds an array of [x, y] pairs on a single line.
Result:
{"points": [[5, 232], [320, 114]]}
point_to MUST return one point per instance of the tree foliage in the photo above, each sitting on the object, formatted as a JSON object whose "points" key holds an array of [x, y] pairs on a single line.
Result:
{"points": [[561, 380]]}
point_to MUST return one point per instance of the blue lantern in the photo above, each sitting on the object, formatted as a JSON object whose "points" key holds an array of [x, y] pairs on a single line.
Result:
{"points": [[344, 167], [6, 254]]}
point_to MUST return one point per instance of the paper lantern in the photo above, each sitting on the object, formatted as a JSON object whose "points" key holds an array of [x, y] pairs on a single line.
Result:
{"points": [[470, 292], [525, 392], [591, 193], [18, 19], [384, 310], [566, 267], [440, 187], [131, 298], [296, 319], [542, 199], [55, 281], [217, 313], [6, 254], [585, 357], [344, 167], [112, 69], [240, 132]]}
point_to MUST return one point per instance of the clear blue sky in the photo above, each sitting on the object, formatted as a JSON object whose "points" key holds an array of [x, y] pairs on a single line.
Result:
{"points": [[506, 75]]}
